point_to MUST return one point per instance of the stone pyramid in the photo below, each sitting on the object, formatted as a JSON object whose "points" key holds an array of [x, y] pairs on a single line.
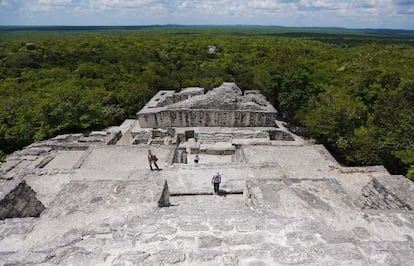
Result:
{"points": [[283, 199]]}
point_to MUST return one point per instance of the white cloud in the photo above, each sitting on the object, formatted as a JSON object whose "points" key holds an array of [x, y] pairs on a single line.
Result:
{"points": [[145, 7], [54, 2], [404, 7], [49, 5], [120, 4], [265, 4], [9, 4], [5, 4], [352, 13]]}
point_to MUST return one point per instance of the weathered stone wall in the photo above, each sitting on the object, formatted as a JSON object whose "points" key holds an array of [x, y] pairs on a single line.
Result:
{"points": [[228, 137], [114, 137], [217, 149], [207, 118], [141, 136], [174, 98], [376, 196], [180, 156], [224, 106], [164, 98], [20, 202], [280, 135]]}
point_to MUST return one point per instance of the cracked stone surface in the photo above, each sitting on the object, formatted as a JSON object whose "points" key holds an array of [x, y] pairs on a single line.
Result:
{"points": [[281, 203], [65, 160], [106, 214]]}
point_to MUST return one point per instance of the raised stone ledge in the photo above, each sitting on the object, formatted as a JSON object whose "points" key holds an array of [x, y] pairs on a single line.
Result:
{"points": [[108, 137], [8, 166], [62, 146], [252, 141], [78, 141], [364, 169], [68, 137], [34, 151], [213, 137], [219, 148]]}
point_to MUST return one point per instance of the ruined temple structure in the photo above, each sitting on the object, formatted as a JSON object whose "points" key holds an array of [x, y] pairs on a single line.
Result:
{"points": [[224, 106], [91, 199]]}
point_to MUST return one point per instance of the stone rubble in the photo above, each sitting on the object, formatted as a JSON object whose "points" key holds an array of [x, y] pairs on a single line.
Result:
{"points": [[376, 196]]}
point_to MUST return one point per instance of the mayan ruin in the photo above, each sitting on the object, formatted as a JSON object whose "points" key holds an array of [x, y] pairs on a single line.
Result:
{"points": [[92, 199]]}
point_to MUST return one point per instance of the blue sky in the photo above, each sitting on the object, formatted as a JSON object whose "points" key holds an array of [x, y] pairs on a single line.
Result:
{"points": [[340, 13]]}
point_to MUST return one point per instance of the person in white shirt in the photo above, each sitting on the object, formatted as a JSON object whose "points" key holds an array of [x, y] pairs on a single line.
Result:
{"points": [[216, 180]]}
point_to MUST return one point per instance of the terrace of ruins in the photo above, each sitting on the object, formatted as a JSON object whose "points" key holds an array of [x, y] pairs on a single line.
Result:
{"points": [[91, 199]]}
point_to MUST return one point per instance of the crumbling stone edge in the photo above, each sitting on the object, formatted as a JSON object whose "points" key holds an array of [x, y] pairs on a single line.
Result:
{"points": [[164, 200]]}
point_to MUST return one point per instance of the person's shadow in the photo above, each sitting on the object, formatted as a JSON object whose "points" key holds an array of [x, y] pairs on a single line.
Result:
{"points": [[222, 193]]}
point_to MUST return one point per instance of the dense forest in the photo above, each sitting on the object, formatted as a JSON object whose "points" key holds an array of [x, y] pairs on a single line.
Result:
{"points": [[352, 90]]}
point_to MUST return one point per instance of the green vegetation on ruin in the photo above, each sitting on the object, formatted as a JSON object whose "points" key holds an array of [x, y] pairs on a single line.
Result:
{"points": [[352, 89]]}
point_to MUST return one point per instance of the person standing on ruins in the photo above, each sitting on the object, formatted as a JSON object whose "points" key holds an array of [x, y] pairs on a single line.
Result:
{"points": [[216, 180], [152, 159]]}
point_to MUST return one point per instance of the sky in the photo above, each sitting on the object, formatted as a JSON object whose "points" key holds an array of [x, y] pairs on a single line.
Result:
{"points": [[395, 14]]}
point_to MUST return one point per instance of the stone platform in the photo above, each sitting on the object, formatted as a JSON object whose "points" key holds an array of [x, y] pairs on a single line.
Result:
{"points": [[280, 203], [92, 199]]}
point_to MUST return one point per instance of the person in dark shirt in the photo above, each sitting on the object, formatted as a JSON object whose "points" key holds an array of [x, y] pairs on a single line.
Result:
{"points": [[152, 159]]}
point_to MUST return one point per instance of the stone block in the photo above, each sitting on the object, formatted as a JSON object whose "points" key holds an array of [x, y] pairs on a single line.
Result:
{"points": [[171, 132], [62, 138], [171, 256], [156, 141], [98, 133], [194, 227], [243, 239], [140, 141], [20, 201], [209, 241], [296, 255], [130, 258], [164, 200], [245, 227], [159, 133]]}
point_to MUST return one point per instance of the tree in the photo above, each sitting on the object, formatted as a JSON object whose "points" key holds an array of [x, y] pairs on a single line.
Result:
{"points": [[333, 116]]}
